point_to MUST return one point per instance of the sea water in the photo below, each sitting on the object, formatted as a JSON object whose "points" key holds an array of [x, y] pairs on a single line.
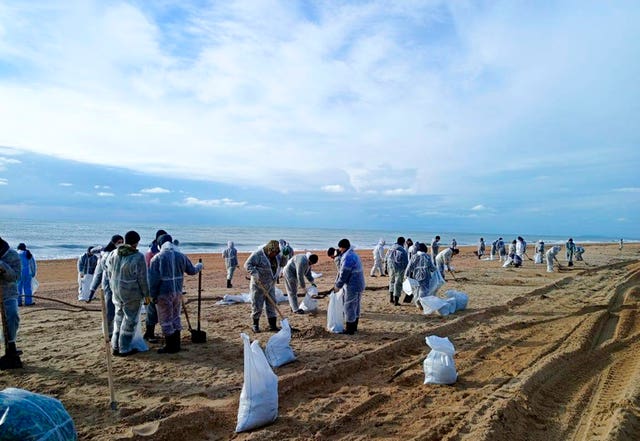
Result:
{"points": [[61, 240]]}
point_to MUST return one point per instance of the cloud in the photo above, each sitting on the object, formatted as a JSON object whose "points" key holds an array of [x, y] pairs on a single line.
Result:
{"points": [[628, 190], [105, 194], [104, 187], [136, 195], [333, 188], [224, 202], [399, 192], [155, 190], [4, 162], [65, 184], [478, 207], [4, 181]]}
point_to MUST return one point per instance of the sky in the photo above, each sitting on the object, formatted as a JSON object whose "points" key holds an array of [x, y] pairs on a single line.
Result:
{"points": [[470, 116]]}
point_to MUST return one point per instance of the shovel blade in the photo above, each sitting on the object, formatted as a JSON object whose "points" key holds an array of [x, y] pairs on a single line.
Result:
{"points": [[198, 336]]}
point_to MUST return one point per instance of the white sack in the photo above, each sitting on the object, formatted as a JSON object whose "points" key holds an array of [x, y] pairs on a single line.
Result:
{"points": [[315, 275], [435, 282], [335, 312], [138, 340], [537, 258], [431, 304], [451, 301], [278, 350], [85, 287], [309, 304], [259, 396], [439, 367], [410, 286], [462, 299]]}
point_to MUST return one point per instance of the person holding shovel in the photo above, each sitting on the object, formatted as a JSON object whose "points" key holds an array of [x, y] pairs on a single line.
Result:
{"points": [[10, 269], [350, 278], [443, 259], [571, 250], [551, 256], [166, 272], [262, 265]]}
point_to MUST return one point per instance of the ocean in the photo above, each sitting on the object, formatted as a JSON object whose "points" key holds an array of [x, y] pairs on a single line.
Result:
{"points": [[62, 240]]}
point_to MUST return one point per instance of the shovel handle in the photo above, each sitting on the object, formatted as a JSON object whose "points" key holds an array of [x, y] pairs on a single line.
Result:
{"points": [[199, 294], [186, 314], [273, 302]]}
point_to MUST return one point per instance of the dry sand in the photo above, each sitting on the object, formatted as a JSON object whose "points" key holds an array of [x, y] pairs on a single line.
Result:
{"points": [[540, 356]]}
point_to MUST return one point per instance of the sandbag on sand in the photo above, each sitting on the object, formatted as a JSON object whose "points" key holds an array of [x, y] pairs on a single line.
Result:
{"points": [[439, 367], [278, 350], [462, 299]]}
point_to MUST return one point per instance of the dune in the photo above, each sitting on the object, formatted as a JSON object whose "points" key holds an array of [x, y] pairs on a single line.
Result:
{"points": [[540, 356]]}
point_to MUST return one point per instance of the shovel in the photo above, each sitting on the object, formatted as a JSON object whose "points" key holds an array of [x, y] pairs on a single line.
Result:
{"points": [[274, 304], [197, 335]]}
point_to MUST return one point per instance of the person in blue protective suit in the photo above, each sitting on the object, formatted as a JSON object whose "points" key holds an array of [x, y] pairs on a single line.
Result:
{"points": [[128, 278], [397, 261], [262, 265], [378, 258], [101, 278], [571, 250], [29, 269], [420, 268], [350, 278], [297, 269], [165, 287], [10, 270], [230, 256]]}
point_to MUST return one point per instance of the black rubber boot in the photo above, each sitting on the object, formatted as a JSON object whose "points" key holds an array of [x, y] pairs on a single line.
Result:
{"points": [[408, 298], [351, 328], [171, 344], [11, 359], [150, 334], [396, 301], [177, 342], [272, 324], [229, 284], [256, 326], [390, 297]]}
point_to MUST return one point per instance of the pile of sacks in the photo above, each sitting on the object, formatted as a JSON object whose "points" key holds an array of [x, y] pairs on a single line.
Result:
{"points": [[454, 301]]}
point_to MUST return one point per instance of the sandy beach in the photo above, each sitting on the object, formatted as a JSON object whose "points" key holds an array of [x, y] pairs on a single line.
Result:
{"points": [[540, 356]]}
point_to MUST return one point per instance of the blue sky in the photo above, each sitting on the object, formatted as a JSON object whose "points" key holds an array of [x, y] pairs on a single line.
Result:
{"points": [[443, 116]]}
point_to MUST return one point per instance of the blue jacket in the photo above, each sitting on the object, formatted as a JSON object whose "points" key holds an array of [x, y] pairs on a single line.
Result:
{"points": [[350, 272]]}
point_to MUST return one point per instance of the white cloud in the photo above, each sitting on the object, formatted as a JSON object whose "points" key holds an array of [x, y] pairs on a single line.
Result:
{"points": [[399, 192], [628, 190], [478, 207], [7, 161], [104, 187], [4, 181], [105, 194], [65, 184], [136, 195], [155, 190], [224, 202], [333, 188]]}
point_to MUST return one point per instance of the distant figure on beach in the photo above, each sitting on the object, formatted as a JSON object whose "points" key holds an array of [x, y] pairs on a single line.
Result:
{"points": [[521, 247], [262, 265], [621, 244], [579, 253], [494, 250], [166, 275], [420, 268], [128, 278], [86, 269], [571, 249], [435, 247], [151, 319], [351, 279], [397, 261], [512, 248], [443, 259], [10, 270], [481, 248], [230, 256], [29, 269], [537, 258], [297, 269], [551, 256], [502, 251], [101, 278], [378, 258], [454, 243]]}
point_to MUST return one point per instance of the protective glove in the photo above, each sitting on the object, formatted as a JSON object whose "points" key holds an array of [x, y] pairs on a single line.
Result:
{"points": [[314, 285], [147, 300], [199, 266]]}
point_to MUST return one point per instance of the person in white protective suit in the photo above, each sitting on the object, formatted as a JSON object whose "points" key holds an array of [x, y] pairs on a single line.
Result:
{"points": [[127, 272], [420, 268], [378, 258], [537, 258], [230, 256], [435, 247], [262, 265], [397, 261], [86, 269], [443, 259], [297, 269], [166, 275], [101, 278], [521, 247], [481, 248], [551, 256]]}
